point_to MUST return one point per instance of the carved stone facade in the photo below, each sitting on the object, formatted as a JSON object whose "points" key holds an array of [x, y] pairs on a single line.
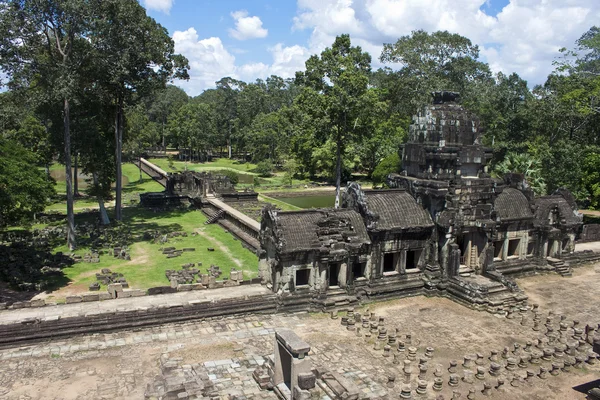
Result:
{"points": [[447, 227]]}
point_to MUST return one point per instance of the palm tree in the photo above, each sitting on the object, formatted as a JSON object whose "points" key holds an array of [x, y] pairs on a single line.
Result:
{"points": [[526, 164]]}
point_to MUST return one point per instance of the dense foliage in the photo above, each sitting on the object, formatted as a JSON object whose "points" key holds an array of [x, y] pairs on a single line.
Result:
{"points": [[23, 190], [91, 86]]}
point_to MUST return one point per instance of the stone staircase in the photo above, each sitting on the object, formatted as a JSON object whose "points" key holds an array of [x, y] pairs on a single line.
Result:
{"points": [[465, 271], [483, 293], [215, 217], [561, 267]]}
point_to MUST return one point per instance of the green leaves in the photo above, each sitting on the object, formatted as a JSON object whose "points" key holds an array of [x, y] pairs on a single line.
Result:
{"points": [[24, 189]]}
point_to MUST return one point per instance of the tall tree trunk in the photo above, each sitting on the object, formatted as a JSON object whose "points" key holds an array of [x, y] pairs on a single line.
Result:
{"points": [[71, 239], [229, 142], [338, 172], [118, 145], [103, 214], [164, 147], [76, 176]]}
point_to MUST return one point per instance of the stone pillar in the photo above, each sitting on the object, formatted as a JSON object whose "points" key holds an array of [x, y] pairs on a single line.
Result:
{"points": [[292, 371], [343, 275]]}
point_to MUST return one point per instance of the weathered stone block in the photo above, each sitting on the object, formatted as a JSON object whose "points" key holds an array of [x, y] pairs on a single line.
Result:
{"points": [[91, 297], [74, 299], [306, 380], [38, 303], [104, 296], [184, 287]]}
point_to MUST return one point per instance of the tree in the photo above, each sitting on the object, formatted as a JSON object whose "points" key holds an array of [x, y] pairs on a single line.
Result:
{"points": [[161, 105], [24, 189], [193, 127], [341, 76], [525, 164], [134, 54], [42, 44], [226, 96], [429, 62]]}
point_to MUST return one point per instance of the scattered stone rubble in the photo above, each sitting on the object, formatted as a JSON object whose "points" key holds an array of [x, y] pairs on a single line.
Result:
{"points": [[190, 278], [172, 252], [107, 277]]}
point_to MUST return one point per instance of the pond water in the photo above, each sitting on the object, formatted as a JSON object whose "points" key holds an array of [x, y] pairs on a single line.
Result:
{"points": [[320, 201], [59, 176]]}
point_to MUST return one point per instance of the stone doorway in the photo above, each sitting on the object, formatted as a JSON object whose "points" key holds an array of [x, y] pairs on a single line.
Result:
{"points": [[471, 245], [334, 275]]}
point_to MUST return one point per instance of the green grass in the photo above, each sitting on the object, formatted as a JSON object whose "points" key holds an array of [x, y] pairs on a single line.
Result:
{"points": [[219, 163], [274, 182], [148, 265], [131, 190], [282, 205]]}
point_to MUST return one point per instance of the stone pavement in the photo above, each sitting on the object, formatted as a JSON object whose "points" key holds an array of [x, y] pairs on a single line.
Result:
{"points": [[131, 303], [594, 246]]}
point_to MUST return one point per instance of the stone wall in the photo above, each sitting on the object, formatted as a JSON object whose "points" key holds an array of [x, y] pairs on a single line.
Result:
{"points": [[55, 326], [590, 233]]}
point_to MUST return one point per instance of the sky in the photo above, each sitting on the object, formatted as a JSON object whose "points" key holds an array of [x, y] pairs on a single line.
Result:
{"points": [[250, 39]]}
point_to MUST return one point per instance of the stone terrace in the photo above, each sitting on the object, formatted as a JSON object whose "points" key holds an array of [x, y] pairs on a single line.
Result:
{"points": [[225, 352]]}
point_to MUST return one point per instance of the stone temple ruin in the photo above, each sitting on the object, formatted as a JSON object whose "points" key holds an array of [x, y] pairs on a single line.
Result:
{"points": [[447, 227]]}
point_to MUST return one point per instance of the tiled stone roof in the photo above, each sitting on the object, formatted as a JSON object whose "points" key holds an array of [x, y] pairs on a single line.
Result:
{"points": [[397, 209], [512, 204], [567, 216], [313, 229]]}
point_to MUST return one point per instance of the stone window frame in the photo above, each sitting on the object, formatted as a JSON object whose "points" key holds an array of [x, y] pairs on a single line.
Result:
{"points": [[517, 249], [307, 285], [417, 268], [397, 258]]}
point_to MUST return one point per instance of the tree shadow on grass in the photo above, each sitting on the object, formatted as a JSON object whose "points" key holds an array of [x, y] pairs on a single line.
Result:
{"points": [[30, 270], [138, 186]]}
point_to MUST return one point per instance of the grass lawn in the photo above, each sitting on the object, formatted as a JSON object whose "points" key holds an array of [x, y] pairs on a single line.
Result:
{"points": [[132, 187], [148, 265], [246, 171]]}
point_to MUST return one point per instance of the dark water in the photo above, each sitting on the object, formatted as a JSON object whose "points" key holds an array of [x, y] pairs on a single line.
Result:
{"points": [[310, 201]]}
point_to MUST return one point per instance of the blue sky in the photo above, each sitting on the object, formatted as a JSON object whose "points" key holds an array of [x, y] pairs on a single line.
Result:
{"points": [[254, 39]]}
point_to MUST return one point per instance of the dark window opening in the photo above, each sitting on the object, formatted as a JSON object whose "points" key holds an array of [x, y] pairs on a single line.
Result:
{"points": [[358, 269], [389, 264], [412, 259], [513, 247], [334, 271], [565, 244], [498, 248], [302, 277]]}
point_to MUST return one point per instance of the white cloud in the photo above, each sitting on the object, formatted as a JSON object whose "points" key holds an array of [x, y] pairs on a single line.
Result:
{"points": [[287, 60], [524, 37], [247, 27], [208, 58], [210, 61], [159, 5]]}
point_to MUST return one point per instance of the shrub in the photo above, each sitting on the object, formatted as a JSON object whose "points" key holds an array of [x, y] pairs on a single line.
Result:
{"points": [[388, 165], [234, 178], [264, 168]]}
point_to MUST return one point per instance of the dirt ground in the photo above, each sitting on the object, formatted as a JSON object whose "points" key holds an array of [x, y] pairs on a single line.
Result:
{"points": [[120, 365]]}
